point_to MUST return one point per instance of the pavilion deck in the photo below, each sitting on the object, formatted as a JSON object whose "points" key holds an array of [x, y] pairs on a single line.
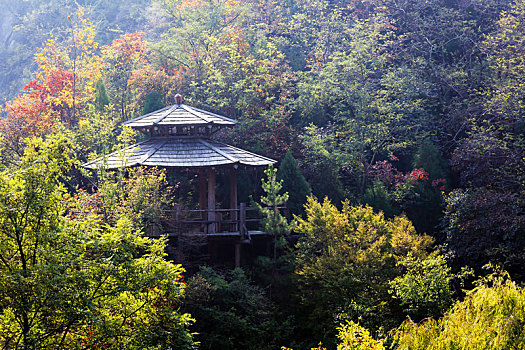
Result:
{"points": [[241, 223]]}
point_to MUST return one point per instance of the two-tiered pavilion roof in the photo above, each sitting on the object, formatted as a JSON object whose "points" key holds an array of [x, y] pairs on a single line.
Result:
{"points": [[180, 136]]}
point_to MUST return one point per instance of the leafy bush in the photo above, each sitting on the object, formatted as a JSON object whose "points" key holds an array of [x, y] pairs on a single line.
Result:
{"points": [[70, 280], [354, 337], [492, 316], [142, 195], [424, 290], [231, 312], [344, 263], [294, 183]]}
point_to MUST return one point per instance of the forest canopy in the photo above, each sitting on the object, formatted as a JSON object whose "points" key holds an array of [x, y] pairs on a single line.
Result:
{"points": [[399, 130]]}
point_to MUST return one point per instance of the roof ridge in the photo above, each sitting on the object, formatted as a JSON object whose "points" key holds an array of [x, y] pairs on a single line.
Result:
{"points": [[191, 110], [145, 115], [214, 114], [222, 153], [165, 114], [156, 147], [245, 151]]}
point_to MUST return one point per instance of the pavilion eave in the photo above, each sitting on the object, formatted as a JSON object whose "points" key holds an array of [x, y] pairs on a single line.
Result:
{"points": [[180, 152]]}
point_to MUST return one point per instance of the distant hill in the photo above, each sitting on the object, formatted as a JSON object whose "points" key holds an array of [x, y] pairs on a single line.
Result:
{"points": [[25, 25]]}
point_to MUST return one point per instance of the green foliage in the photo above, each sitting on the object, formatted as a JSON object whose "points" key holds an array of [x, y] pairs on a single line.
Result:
{"points": [[427, 211], [347, 83], [231, 312], [379, 198], [274, 272], [230, 62], [68, 280], [424, 289], [492, 316], [95, 134], [153, 102], [484, 220], [294, 183], [428, 156], [140, 194], [506, 48], [274, 223], [372, 106], [484, 225], [323, 173], [101, 96], [344, 263], [354, 337]]}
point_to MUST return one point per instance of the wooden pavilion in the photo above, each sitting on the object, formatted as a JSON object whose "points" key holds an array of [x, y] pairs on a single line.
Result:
{"points": [[181, 137]]}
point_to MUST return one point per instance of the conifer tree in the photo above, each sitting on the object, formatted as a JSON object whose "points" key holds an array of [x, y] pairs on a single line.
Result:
{"points": [[275, 270], [274, 222], [294, 183], [152, 103], [101, 96]]}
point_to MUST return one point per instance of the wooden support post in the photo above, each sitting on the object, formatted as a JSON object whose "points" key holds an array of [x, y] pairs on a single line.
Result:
{"points": [[202, 193], [238, 254], [211, 201], [242, 223], [233, 200], [178, 212]]}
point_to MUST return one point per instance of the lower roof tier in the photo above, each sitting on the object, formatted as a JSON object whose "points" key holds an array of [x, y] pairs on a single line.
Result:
{"points": [[179, 152]]}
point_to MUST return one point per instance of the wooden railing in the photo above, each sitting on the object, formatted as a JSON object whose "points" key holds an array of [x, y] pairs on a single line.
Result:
{"points": [[228, 222]]}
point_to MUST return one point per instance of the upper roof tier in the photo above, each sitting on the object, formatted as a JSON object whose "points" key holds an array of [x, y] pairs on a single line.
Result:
{"points": [[180, 115]]}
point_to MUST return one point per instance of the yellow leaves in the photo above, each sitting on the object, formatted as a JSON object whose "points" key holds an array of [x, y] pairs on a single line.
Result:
{"points": [[231, 3], [358, 233], [354, 337], [404, 239], [491, 317], [347, 257], [359, 225]]}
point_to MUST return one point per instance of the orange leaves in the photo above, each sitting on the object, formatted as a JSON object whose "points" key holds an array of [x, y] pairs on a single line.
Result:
{"points": [[62, 86], [55, 91], [49, 95], [67, 72], [29, 113], [129, 48], [237, 37], [26, 116], [148, 79], [129, 73], [418, 174]]}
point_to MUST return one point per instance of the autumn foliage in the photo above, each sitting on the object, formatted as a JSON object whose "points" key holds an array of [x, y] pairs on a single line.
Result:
{"points": [[407, 115]]}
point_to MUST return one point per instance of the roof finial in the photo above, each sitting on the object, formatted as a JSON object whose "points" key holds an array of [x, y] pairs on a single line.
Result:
{"points": [[178, 99]]}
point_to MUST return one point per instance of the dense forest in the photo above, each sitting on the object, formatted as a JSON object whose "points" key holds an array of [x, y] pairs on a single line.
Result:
{"points": [[399, 127]]}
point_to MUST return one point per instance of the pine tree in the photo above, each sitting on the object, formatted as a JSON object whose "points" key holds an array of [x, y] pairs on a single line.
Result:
{"points": [[294, 183], [153, 102], [101, 96], [274, 223], [276, 270]]}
